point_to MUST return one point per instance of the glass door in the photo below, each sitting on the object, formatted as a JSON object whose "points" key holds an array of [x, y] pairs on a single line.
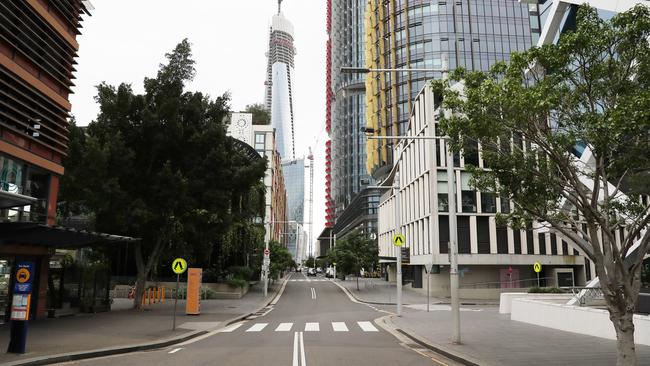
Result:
{"points": [[5, 282]]}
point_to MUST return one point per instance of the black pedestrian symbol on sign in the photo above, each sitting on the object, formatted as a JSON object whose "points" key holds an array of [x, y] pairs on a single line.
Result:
{"points": [[179, 265]]}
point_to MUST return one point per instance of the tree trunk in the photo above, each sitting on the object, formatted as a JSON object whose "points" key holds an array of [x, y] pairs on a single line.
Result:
{"points": [[626, 350], [140, 282]]}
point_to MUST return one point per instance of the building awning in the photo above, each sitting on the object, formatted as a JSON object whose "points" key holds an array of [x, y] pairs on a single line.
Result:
{"points": [[9, 199], [27, 233], [383, 259]]}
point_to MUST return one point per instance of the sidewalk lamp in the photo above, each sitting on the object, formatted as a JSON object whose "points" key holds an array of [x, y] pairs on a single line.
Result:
{"points": [[453, 243]]}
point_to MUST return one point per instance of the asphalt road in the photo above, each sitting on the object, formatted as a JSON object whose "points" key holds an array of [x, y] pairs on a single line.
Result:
{"points": [[313, 323]]}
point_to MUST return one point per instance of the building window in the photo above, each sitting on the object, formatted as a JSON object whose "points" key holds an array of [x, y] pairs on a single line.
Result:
{"points": [[505, 205], [443, 192], [260, 143], [468, 195], [488, 202]]}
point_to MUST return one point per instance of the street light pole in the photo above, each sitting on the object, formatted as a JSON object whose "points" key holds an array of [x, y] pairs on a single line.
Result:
{"points": [[398, 228]]}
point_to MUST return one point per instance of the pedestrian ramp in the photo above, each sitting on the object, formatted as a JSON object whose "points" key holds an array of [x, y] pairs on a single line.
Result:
{"points": [[337, 327]]}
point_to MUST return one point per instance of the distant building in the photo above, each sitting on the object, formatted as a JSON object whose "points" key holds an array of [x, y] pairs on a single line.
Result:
{"points": [[279, 102], [352, 205], [262, 139], [416, 34], [279, 83]]}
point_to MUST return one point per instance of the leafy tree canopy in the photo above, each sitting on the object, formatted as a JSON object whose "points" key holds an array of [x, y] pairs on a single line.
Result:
{"points": [[159, 166], [261, 116], [561, 128], [353, 252]]}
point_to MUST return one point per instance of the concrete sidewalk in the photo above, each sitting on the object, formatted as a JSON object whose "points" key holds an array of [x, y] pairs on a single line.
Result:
{"points": [[490, 338], [86, 332], [380, 292]]}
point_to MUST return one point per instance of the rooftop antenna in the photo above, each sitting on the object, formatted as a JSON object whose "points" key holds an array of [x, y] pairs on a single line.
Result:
{"points": [[279, 5]]}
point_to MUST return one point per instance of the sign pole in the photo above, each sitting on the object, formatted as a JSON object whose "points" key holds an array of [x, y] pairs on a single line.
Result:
{"points": [[537, 279], [178, 279]]}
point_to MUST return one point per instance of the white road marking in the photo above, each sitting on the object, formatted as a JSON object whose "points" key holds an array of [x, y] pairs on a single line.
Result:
{"points": [[312, 327], [339, 327], [231, 328], [257, 327], [302, 351], [284, 327], [175, 350], [295, 349], [313, 293], [367, 327]]}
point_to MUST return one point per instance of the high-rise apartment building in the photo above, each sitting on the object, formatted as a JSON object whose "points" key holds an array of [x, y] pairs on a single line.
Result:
{"points": [[279, 84], [279, 102], [473, 34]]}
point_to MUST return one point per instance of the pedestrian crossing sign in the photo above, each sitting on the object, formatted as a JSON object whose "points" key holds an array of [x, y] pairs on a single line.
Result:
{"points": [[399, 240], [179, 265]]}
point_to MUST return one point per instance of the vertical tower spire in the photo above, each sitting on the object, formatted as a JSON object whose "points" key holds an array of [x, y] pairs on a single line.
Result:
{"points": [[279, 6]]}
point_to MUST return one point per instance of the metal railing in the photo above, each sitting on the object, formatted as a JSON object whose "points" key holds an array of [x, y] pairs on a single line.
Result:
{"points": [[525, 283], [585, 294]]}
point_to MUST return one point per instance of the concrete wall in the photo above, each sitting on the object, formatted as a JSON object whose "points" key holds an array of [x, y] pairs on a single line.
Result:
{"points": [[581, 320], [505, 301]]}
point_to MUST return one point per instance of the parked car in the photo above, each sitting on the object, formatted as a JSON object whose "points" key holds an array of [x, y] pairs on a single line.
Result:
{"points": [[311, 272], [319, 270], [329, 272]]}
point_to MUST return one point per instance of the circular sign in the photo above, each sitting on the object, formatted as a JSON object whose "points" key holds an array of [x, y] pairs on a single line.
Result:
{"points": [[22, 275], [267, 252], [537, 267], [179, 265], [399, 240]]}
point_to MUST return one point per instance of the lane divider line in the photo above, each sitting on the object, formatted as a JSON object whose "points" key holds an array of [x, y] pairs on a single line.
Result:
{"points": [[175, 350], [295, 349], [302, 351], [313, 293]]}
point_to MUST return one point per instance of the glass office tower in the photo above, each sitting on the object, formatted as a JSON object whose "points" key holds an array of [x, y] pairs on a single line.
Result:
{"points": [[474, 34], [294, 179], [278, 93], [354, 206]]}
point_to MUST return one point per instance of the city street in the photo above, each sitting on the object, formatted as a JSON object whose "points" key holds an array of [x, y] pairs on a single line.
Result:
{"points": [[313, 323]]}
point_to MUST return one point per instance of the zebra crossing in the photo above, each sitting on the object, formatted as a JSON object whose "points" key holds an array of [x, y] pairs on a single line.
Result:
{"points": [[363, 326]]}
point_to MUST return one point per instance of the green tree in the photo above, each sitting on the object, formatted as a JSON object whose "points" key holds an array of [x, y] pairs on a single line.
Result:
{"points": [[353, 252], [159, 166], [261, 116], [533, 116], [281, 259]]}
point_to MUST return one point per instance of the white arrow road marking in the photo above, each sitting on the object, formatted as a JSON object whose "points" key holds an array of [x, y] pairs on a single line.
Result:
{"points": [[257, 327], [284, 327], [312, 327], [367, 327], [339, 327], [175, 350]]}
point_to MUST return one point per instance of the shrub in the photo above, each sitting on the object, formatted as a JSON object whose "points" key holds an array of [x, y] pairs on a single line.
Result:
{"points": [[241, 272], [546, 290], [237, 282]]}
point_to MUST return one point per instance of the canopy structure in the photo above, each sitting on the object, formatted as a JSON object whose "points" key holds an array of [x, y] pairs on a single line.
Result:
{"points": [[9, 199], [28, 233]]}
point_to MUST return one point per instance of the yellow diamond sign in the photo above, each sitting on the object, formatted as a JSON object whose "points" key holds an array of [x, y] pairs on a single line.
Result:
{"points": [[399, 240]]}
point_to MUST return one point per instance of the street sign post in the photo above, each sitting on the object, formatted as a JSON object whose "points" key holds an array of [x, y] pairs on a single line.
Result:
{"points": [[538, 268], [20, 306], [179, 266]]}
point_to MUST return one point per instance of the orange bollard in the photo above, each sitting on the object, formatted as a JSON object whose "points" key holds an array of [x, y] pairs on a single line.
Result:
{"points": [[149, 296], [142, 302], [162, 296], [155, 295]]}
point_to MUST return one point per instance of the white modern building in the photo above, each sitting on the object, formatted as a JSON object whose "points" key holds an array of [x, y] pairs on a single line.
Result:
{"points": [[491, 258], [262, 139]]}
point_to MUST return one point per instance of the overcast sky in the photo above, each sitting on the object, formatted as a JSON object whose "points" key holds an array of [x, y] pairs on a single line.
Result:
{"points": [[126, 40]]}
